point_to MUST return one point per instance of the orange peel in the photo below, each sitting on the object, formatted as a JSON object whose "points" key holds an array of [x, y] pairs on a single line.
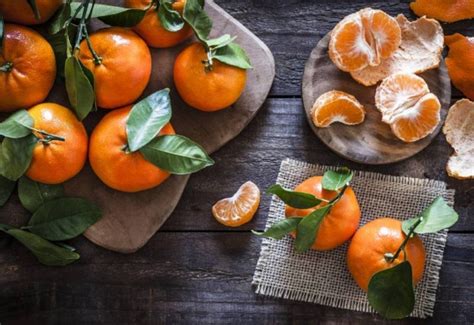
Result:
{"points": [[460, 63], [444, 10]]}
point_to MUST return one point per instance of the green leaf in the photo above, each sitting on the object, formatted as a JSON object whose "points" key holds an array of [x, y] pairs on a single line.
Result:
{"points": [[2, 30], [176, 154], [113, 15], [308, 227], [197, 18], [170, 19], [33, 194], [64, 218], [391, 292], [34, 7], [47, 253], [18, 125], [147, 118], [6, 189], [298, 200], [335, 180], [79, 88], [16, 155], [221, 41], [59, 21], [280, 229], [60, 43], [68, 247], [233, 54], [436, 217]]}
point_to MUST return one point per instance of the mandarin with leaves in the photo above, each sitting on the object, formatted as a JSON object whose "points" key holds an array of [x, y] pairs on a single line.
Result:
{"points": [[367, 253], [120, 62], [339, 224], [60, 154], [27, 68], [151, 28], [21, 12]]}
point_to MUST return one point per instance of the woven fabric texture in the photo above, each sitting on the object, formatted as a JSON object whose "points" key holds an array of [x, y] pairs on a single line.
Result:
{"points": [[322, 277]]}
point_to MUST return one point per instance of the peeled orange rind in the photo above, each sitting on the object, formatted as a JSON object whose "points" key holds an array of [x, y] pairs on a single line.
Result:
{"points": [[363, 39], [240, 208], [459, 131], [460, 63], [444, 10], [337, 106], [407, 105], [420, 50]]}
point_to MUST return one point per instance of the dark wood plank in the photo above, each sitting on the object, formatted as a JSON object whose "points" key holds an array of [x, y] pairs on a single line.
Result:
{"points": [[292, 29], [177, 278]]}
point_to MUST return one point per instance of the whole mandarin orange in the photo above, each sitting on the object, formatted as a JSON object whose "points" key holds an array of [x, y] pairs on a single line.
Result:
{"points": [[27, 68], [20, 12], [113, 164], [122, 67], [204, 89], [57, 161], [151, 29], [339, 224], [366, 253]]}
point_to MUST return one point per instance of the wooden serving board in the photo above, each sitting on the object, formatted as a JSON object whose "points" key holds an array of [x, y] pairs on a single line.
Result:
{"points": [[371, 142], [130, 220]]}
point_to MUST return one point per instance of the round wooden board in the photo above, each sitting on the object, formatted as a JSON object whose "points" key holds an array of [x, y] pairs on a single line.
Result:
{"points": [[371, 142], [130, 220]]}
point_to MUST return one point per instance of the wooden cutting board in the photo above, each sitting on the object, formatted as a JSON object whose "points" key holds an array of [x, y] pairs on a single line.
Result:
{"points": [[130, 220], [371, 142]]}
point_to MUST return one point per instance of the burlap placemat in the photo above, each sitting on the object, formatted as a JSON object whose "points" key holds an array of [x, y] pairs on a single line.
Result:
{"points": [[322, 277]]}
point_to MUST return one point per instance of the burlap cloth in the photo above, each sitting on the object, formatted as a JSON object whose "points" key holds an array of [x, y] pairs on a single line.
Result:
{"points": [[322, 277]]}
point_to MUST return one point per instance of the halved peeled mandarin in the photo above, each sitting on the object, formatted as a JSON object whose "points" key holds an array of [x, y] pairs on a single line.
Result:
{"points": [[363, 39], [240, 208], [337, 106], [407, 105]]}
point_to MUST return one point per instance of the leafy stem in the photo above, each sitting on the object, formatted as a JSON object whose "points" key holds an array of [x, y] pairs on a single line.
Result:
{"points": [[82, 30], [46, 137], [389, 257]]}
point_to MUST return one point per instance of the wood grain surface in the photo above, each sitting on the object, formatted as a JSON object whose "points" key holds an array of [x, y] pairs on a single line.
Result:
{"points": [[371, 142], [195, 270]]}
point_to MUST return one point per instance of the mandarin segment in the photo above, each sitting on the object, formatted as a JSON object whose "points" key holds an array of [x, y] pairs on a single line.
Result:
{"points": [[363, 39], [371, 242], [240, 208], [460, 63], [444, 10], [408, 106], [337, 106]]}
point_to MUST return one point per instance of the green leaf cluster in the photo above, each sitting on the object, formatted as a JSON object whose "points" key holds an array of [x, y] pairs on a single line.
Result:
{"points": [[306, 228], [173, 153]]}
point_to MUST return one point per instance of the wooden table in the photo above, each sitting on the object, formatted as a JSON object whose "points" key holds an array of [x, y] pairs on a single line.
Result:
{"points": [[197, 271]]}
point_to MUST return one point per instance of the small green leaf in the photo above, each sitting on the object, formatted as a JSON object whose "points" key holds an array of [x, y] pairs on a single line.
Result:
{"points": [[197, 18], [280, 229], [18, 125], [47, 253], [170, 19], [308, 228], [6, 189], [298, 200], [147, 118], [2, 30], [113, 15], [59, 21], [176, 154], [221, 41], [16, 155], [335, 180], [391, 292], [233, 54], [33, 194], [79, 88], [34, 7], [436, 217], [60, 43], [64, 218]]}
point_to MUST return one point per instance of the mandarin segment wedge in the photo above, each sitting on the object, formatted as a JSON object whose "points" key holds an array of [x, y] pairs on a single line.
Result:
{"points": [[420, 50], [240, 208], [460, 63], [407, 105], [459, 131], [363, 39], [444, 10], [337, 106]]}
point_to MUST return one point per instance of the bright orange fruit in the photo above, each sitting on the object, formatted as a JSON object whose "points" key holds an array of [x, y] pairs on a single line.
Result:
{"points": [[445, 10], [19, 11], [240, 208], [460, 62], [337, 106]]}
